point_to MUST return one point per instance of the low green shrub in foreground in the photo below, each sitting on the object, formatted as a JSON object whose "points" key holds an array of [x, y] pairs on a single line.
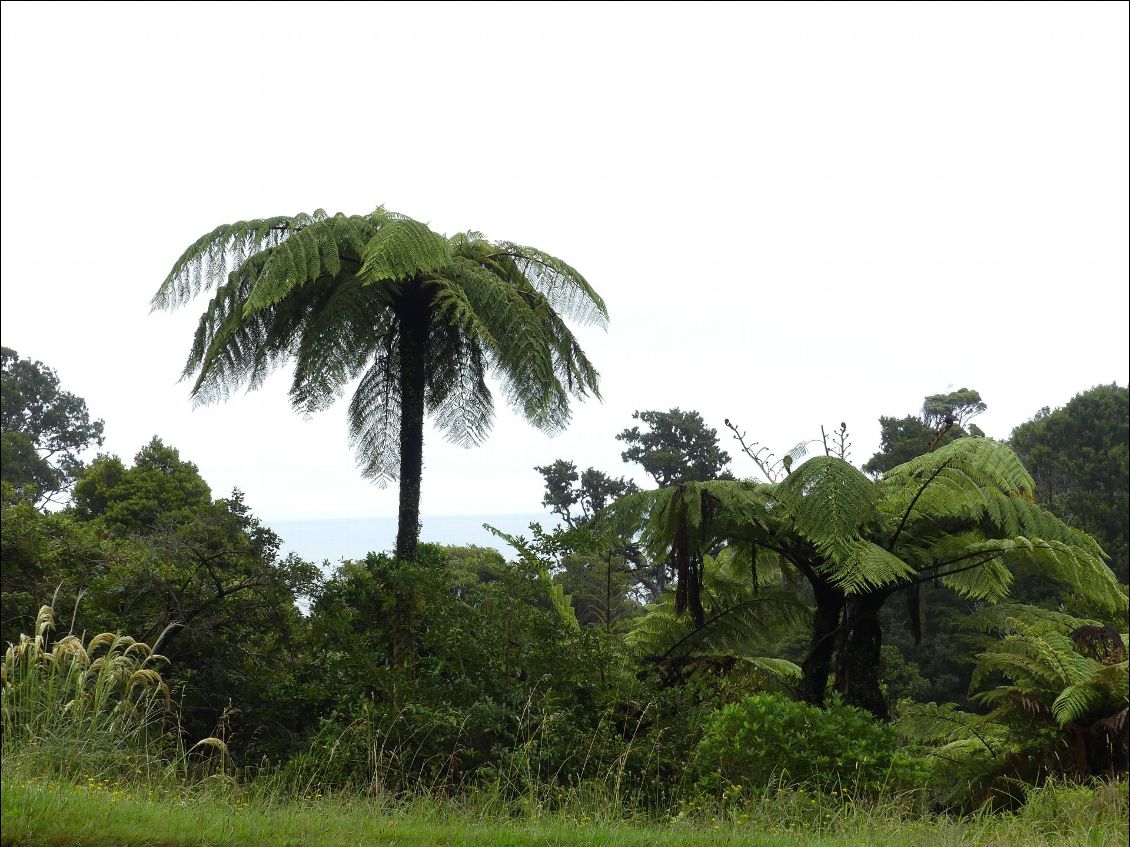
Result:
{"points": [[769, 739]]}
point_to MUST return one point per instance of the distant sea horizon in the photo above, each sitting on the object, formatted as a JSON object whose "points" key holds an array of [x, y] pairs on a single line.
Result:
{"points": [[335, 540]]}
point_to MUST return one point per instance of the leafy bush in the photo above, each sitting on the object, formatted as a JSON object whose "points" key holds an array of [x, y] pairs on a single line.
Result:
{"points": [[768, 738], [459, 670], [426, 673]]}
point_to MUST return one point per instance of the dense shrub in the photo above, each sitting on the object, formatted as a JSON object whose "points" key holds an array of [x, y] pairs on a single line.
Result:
{"points": [[768, 738], [459, 669], [427, 672]]}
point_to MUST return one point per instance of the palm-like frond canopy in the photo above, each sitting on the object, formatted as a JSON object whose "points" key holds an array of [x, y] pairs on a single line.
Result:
{"points": [[963, 516], [336, 294]]}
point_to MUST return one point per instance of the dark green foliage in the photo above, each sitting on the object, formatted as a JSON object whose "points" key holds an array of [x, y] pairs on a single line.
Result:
{"points": [[944, 418], [900, 440], [902, 679], [941, 654], [1078, 456], [677, 447], [769, 739], [43, 428], [147, 550], [600, 586], [418, 318], [460, 673], [40, 552], [603, 569], [590, 570], [576, 498], [159, 489]]}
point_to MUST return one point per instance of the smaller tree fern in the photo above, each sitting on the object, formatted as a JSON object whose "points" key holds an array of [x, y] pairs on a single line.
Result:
{"points": [[1063, 672], [1057, 691], [963, 517]]}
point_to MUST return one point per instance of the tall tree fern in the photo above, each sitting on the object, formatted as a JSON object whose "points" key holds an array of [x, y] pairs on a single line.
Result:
{"points": [[416, 320]]}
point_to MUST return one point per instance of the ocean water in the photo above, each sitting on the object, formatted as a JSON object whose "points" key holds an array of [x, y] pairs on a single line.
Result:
{"points": [[337, 539]]}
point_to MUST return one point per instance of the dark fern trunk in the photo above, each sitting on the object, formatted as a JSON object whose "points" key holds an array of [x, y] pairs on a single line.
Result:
{"points": [[858, 665], [817, 665], [414, 321]]}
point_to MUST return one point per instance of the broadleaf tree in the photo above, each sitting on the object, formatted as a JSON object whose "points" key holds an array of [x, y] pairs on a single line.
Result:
{"points": [[1079, 456], [415, 319], [676, 447], [44, 430]]}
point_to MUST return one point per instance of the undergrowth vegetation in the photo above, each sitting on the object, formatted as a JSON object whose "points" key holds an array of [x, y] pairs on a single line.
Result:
{"points": [[733, 669], [86, 724], [97, 710]]}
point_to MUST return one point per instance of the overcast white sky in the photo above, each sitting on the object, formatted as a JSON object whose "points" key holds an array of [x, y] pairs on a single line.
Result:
{"points": [[798, 214]]}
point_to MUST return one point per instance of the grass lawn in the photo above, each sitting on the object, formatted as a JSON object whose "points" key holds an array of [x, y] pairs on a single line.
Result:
{"points": [[63, 815]]}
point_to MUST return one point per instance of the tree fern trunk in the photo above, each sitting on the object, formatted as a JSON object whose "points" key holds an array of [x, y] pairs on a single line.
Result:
{"points": [[858, 663], [817, 665], [413, 311]]}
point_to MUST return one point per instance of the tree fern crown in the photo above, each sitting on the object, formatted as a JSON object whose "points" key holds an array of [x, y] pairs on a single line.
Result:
{"points": [[332, 293]]}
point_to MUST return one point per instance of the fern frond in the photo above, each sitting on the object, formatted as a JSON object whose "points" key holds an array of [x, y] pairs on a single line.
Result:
{"points": [[1069, 564], [1073, 702], [737, 615], [829, 501], [211, 258], [309, 254], [996, 618], [566, 291], [374, 417], [457, 395], [989, 580], [336, 341], [454, 308], [403, 249], [931, 723], [865, 566], [991, 463]]}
